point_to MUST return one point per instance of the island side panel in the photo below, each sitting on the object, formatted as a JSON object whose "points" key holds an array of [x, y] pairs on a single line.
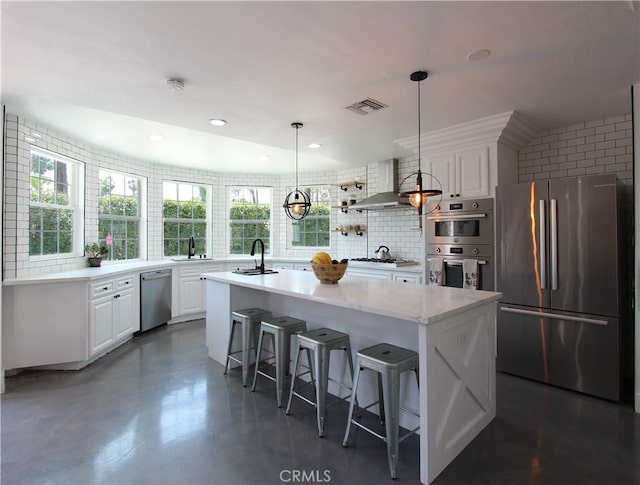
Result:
{"points": [[221, 300], [459, 374]]}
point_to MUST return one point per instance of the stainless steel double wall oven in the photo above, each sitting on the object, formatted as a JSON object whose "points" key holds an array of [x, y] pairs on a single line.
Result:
{"points": [[458, 230]]}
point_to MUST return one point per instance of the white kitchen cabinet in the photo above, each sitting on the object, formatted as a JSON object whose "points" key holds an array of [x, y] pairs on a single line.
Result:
{"points": [[415, 278], [113, 312], [191, 288], [462, 174], [369, 273]]}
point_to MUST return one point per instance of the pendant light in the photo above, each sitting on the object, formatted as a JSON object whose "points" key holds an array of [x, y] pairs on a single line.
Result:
{"points": [[419, 195], [296, 204]]}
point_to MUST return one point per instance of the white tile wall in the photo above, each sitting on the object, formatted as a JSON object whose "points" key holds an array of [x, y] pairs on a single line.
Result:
{"points": [[392, 228], [601, 146], [595, 147]]}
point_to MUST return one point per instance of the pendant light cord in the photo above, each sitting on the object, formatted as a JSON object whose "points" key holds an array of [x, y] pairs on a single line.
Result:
{"points": [[297, 128], [419, 129]]}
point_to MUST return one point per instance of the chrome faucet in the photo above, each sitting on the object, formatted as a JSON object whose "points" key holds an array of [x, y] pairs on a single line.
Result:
{"points": [[253, 252], [192, 248]]}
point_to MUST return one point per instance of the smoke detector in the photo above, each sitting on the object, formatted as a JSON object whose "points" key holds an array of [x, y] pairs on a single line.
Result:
{"points": [[174, 83]]}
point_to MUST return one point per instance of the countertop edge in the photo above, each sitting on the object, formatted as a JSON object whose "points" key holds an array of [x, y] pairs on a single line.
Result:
{"points": [[470, 299]]}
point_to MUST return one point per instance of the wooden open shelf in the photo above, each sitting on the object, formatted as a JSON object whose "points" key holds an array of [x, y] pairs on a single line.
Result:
{"points": [[350, 183]]}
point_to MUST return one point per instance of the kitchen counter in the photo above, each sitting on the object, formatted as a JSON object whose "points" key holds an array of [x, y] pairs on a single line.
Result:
{"points": [[414, 303], [453, 331]]}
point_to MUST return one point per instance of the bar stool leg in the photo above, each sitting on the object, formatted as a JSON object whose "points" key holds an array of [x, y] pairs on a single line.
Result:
{"points": [[226, 364], [247, 334], [294, 374], [322, 383], [380, 399], [258, 353], [280, 364], [352, 402], [391, 391]]}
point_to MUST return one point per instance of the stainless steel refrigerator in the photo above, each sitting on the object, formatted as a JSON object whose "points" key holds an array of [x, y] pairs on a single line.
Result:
{"points": [[557, 268]]}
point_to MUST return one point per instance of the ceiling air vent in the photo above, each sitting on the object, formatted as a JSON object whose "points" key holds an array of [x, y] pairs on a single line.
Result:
{"points": [[366, 106]]}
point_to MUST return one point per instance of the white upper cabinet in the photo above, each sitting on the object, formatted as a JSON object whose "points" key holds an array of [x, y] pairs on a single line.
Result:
{"points": [[463, 173], [472, 169], [443, 168]]}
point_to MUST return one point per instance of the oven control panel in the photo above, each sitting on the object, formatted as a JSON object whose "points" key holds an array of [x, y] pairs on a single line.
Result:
{"points": [[479, 251]]}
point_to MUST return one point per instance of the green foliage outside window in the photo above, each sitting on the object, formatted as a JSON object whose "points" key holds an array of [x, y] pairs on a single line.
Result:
{"points": [[315, 229], [183, 219], [51, 216], [249, 218], [249, 221], [119, 215]]}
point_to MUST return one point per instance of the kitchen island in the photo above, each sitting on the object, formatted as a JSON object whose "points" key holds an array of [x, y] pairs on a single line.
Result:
{"points": [[453, 331]]}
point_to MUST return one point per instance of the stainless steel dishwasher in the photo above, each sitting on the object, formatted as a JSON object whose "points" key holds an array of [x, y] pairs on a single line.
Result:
{"points": [[155, 298]]}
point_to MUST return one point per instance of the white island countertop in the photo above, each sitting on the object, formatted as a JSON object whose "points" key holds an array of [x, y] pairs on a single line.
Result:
{"points": [[418, 303]]}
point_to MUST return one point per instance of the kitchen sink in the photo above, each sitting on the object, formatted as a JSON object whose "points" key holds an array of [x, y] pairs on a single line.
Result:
{"points": [[252, 271]]}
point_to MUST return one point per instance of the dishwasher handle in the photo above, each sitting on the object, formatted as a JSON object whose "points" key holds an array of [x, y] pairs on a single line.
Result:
{"points": [[155, 275]]}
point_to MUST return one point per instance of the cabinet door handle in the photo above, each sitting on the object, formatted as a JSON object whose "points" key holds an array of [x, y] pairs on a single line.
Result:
{"points": [[105, 288]]}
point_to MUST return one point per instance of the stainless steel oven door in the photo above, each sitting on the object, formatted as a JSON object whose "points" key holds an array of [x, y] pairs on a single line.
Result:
{"points": [[469, 228], [454, 276], [461, 222]]}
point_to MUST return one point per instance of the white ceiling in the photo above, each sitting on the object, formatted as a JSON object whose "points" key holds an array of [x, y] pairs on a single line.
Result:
{"points": [[97, 70]]}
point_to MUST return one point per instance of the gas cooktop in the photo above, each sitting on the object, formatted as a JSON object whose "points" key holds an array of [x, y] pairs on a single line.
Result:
{"points": [[391, 263]]}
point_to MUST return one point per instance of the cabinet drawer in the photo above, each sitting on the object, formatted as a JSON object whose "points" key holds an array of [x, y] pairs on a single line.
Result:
{"points": [[125, 282], [101, 288]]}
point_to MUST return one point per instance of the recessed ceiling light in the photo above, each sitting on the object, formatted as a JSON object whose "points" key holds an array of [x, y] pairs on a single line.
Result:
{"points": [[155, 137], [314, 145], [264, 158], [478, 54], [217, 122]]}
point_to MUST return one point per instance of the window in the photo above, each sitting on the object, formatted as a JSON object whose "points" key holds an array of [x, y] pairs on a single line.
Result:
{"points": [[119, 214], [55, 205], [249, 218], [315, 229], [185, 209]]}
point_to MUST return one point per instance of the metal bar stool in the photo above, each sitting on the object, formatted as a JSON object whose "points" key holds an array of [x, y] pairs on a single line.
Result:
{"points": [[280, 329], [389, 361], [321, 341], [247, 318]]}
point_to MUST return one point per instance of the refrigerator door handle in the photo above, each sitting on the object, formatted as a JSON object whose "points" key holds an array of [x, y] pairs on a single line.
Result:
{"points": [[554, 244], [543, 244], [555, 316]]}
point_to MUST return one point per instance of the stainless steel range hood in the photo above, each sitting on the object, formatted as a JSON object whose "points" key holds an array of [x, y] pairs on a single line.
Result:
{"points": [[385, 190]]}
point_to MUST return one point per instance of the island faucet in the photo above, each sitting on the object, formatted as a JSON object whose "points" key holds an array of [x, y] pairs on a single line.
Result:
{"points": [[253, 252], [192, 248]]}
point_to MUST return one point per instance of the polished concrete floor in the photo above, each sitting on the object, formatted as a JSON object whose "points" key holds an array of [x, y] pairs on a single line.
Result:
{"points": [[158, 411]]}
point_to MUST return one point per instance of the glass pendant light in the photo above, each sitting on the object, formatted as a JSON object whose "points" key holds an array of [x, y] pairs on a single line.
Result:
{"points": [[419, 195], [297, 204]]}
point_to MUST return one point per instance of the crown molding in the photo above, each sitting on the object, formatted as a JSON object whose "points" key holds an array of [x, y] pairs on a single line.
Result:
{"points": [[510, 128]]}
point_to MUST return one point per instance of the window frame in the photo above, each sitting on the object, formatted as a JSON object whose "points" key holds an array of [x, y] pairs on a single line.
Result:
{"points": [[76, 175], [207, 220], [314, 202], [140, 218], [268, 243]]}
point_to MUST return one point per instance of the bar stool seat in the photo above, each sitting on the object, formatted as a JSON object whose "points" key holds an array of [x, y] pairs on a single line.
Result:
{"points": [[389, 361], [247, 319], [321, 342], [280, 329]]}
